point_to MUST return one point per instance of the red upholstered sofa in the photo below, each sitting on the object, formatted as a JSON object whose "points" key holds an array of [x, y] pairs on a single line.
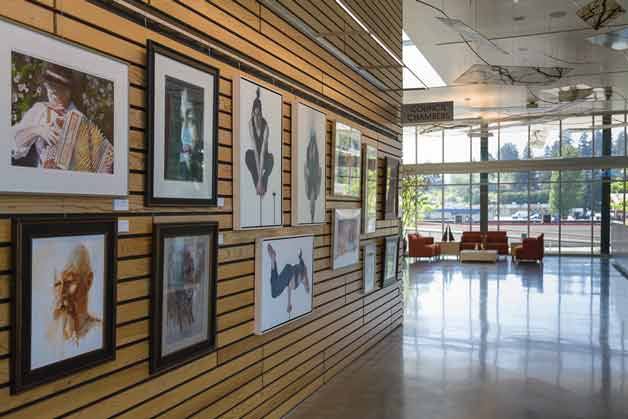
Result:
{"points": [[422, 247], [492, 240], [470, 239], [497, 240], [531, 250]]}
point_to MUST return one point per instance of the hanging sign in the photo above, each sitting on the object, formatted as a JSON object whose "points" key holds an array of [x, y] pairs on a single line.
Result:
{"points": [[418, 113]]}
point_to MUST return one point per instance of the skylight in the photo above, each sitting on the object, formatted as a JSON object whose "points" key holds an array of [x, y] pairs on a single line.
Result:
{"points": [[417, 62]]}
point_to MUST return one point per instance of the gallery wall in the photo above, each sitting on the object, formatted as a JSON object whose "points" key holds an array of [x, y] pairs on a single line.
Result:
{"points": [[248, 375]]}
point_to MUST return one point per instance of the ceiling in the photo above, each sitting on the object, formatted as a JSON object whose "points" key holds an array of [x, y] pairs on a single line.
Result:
{"points": [[527, 32]]}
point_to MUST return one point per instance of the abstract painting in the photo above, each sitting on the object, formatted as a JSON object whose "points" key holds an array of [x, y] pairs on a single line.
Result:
{"points": [[391, 195], [368, 267], [65, 298], [68, 124], [390, 261], [369, 189], [184, 293], [257, 156], [182, 129], [346, 161], [308, 165], [346, 237], [283, 280]]}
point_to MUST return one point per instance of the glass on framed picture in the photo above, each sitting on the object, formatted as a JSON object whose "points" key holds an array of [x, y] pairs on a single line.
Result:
{"points": [[182, 129], [67, 128], [183, 158], [183, 320], [346, 161]]}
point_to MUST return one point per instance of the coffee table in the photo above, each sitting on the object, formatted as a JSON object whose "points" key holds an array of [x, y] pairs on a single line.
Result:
{"points": [[488, 256], [449, 248]]}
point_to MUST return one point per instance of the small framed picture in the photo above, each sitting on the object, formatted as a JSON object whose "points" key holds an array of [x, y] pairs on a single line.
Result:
{"points": [[66, 125], [283, 280], [308, 165], [65, 292], [392, 188], [347, 162], [182, 134], [391, 257], [369, 189], [183, 293], [346, 237], [369, 252], [257, 155]]}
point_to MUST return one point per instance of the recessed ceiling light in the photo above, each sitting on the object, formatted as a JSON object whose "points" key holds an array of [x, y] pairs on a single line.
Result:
{"points": [[558, 15]]}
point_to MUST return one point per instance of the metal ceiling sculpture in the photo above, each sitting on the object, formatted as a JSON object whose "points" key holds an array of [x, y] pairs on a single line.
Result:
{"points": [[599, 12], [468, 33], [512, 75]]}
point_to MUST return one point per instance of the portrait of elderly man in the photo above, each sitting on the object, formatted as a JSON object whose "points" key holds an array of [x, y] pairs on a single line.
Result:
{"points": [[54, 133], [71, 289]]}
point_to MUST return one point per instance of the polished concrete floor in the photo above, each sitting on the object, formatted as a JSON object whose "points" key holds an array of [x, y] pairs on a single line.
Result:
{"points": [[495, 341]]}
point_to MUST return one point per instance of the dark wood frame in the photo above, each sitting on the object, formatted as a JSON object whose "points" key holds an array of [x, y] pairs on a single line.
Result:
{"points": [[159, 363], [25, 229], [333, 163], [385, 282], [150, 198], [390, 161]]}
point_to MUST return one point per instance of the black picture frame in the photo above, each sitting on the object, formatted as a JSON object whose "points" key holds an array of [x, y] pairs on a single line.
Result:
{"points": [[25, 229], [159, 362], [150, 199], [391, 211], [388, 281]]}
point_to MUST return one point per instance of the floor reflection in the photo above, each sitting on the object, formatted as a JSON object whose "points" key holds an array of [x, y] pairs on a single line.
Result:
{"points": [[495, 341]]}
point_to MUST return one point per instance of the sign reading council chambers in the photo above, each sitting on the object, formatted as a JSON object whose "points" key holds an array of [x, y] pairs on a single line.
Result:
{"points": [[416, 113]]}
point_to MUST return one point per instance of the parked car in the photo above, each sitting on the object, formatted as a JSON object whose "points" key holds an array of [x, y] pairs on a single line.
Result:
{"points": [[536, 217], [520, 215]]}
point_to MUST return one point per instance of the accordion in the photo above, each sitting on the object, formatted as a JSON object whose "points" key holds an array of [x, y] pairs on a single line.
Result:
{"points": [[81, 147]]}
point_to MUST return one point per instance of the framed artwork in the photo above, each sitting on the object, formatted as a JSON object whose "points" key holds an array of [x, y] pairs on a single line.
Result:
{"points": [[257, 155], [66, 131], [182, 100], [369, 189], [64, 297], [347, 161], [391, 256], [183, 293], [283, 280], [368, 267], [392, 188], [346, 237], [308, 165]]}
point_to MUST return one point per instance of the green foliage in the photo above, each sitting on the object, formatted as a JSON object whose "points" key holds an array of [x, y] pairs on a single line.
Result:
{"points": [[573, 188], [93, 96], [26, 81], [414, 201]]}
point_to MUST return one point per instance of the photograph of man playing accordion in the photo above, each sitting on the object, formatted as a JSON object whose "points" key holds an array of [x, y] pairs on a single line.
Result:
{"points": [[55, 132]]}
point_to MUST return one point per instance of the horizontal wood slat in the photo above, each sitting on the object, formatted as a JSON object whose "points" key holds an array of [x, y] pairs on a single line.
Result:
{"points": [[248, 375]]}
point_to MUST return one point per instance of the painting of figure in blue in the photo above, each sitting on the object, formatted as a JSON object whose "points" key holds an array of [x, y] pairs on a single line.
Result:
{"points": [[283, 281]]}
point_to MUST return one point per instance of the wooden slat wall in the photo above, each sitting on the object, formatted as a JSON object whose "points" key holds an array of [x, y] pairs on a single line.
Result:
{"points": [[248, 375]]}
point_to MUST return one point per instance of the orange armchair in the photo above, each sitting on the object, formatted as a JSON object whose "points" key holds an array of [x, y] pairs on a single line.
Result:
{"points": [[532, 249], [422, 247]]}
